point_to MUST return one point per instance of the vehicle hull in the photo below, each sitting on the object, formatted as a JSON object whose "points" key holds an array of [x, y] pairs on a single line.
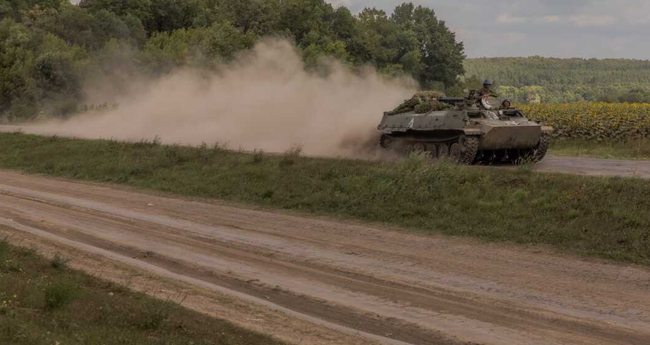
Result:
{"points": [[498, 135]]}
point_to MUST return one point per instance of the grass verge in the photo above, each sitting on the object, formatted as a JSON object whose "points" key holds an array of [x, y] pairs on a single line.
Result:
{"points": [[638, 149], [44, 302], [603, 217]]}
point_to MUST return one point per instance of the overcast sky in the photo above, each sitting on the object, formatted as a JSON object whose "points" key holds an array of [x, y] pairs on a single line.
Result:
{"points": [[557, 28]]}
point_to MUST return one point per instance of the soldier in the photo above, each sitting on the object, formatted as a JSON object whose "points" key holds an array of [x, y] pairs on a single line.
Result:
{"points": [[486, 90], [506, 104]]}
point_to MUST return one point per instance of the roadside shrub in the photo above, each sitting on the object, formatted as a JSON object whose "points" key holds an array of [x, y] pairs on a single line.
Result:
{"points": [[11, 266], [155, 313], [58, 296], [291, 156], [4, 249], [59, 262], [258, 156]]}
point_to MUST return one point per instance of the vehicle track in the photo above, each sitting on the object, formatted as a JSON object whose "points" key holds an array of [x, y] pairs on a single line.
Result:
{"points": [[393, 287]]}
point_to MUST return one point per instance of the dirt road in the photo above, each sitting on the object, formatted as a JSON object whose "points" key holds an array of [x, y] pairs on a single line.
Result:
{"points": [[373, 285], [596, 166]]}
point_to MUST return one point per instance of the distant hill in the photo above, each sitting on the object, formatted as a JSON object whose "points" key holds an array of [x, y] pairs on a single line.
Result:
{"points": [[555, 80]]}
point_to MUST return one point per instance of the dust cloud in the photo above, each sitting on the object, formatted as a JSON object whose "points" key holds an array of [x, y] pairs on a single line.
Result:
{"points": [[265, 100]]}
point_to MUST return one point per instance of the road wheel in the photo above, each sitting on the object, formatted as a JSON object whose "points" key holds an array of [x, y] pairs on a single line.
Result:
{"points": [[419, 147], [385, 141], [443, 151], [432, 150], [455, 152]]}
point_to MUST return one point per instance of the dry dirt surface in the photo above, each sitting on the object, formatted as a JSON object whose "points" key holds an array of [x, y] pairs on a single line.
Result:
{"points": [[596, 166], [322, 282]]}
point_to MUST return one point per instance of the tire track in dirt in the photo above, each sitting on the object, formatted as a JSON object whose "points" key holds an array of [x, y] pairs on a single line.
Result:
{"points": [[411, 289], [257, 257]]}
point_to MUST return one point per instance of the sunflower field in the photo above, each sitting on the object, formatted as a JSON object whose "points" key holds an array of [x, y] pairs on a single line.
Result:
{"points": [[617, 122]]}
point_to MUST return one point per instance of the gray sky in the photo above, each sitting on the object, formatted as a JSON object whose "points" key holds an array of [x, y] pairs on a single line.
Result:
{"points": [[557, 28]]}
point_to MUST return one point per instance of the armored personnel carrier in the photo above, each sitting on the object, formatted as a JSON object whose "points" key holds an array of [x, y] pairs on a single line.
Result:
{"points": [[471, 130]]}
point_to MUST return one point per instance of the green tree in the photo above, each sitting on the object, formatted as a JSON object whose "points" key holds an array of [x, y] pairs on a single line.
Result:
{"points": [[260, 17], [169, 15], [375, 39], [343, 25], [36, 70], [73, 24], [138, 35], [318, 47], [199, 47], [302, 17], [80, 27], [14, 8], [141, 9], [442, 55], [18, 91]]}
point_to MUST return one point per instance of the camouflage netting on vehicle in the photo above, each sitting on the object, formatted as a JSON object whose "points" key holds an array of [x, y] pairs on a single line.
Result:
{"points": [[421, 103]]}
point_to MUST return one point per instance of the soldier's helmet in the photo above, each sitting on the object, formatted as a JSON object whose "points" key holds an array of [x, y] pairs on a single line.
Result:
{"points": [[487, 82]]}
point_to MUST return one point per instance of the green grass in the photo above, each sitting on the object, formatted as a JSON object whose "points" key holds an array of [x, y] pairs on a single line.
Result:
{"points": [[639, 149], [601, 217], [43, 302]]}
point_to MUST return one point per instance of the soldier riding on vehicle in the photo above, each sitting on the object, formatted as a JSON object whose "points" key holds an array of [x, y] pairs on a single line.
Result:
{"points": [[486, 90], [506, 104]]}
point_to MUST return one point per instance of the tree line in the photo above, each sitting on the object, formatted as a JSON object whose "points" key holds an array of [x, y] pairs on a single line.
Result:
{"points": [[50, 48], [551, 80]]}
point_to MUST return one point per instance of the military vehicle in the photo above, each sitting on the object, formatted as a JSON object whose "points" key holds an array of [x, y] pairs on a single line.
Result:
{"points": [[470, 130]]}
